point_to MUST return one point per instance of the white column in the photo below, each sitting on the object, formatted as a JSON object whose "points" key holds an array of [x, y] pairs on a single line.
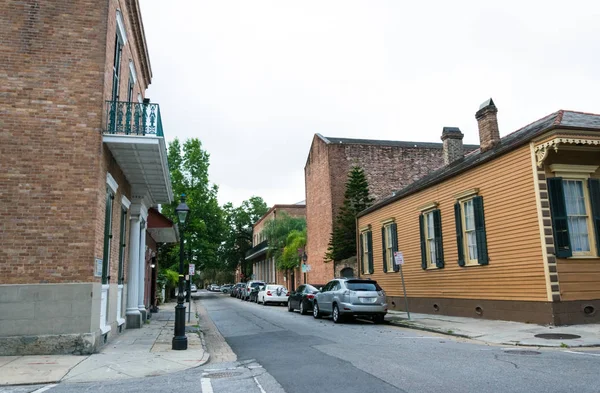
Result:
{"points": [[133, 313], [142, 262]]}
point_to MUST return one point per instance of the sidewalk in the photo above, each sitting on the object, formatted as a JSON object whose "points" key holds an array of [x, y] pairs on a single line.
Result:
{"points": [[500, 332], [133, 353]]}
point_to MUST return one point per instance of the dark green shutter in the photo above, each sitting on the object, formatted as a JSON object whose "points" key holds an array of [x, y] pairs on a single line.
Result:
{"points": [[439, 245], [482, 252], [370, 251], [384, 251], [594, 187], [395, 245], [121, 278], [107, 236], [459, 235], [423, 245], [560, 222], [362, 253]]}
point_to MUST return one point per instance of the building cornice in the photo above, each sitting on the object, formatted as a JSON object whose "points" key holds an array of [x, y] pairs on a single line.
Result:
{"points": [[135, 19]]}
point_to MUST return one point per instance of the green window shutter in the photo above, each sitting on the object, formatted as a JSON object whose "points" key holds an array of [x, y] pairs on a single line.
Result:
{"points": [[370, 251], [439, 245], [423, 245], [383, 249], [560, 222], [362, 253], [107, 237], [482, 252], [120, 278], [395, 245], [459, 235], [594, 187]]}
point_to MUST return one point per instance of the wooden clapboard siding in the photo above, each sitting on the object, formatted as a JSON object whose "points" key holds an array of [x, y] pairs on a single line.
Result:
{"points": [[515, 271], [579, 278]]}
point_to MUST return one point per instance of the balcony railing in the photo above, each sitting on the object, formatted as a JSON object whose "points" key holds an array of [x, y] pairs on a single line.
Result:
{"points": [[259, 247], [133, 118]]}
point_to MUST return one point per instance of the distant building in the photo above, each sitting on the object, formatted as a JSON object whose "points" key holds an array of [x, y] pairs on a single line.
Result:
{"points": [[263, 267], [510, 231], [83, 160], [388, 165]]}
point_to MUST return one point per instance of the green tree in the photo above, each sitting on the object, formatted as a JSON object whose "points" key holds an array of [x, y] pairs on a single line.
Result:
{"points": [[277, 231], [290, 257], [237, 239], [342, 243], [205, 227]]}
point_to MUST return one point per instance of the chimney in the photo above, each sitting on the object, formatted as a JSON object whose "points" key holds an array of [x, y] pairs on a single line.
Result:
{"points": [[453, 146], [489, 135]]}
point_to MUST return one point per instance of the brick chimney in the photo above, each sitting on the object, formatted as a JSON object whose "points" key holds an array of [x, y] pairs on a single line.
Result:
{"points": [[489, 135], [453, 146]]}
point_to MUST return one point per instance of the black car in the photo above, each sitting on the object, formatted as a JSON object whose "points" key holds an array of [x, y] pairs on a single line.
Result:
{"points": [[235, 289], [253, 297], [302, 298]]}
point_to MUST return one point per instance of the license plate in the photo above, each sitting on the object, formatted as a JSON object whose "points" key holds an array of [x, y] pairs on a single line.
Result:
{"points": [[368, 299]]}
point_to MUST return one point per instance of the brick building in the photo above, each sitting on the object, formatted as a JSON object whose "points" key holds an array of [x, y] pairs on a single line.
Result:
{"points": [[388, 166], [263, 268], [82, 158]]}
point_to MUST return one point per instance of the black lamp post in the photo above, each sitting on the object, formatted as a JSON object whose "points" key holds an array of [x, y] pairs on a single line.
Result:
{"points": [[180, 339]]}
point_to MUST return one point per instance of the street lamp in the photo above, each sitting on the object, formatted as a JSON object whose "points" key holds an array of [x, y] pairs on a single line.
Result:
{"points": [[180, 339]]}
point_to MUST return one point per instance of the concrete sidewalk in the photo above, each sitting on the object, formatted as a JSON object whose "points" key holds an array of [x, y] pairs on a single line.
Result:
{"points": [[500, 332], [133, 353]]}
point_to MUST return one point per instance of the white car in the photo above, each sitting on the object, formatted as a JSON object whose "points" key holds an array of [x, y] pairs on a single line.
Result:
{"points": [[273, 294]]}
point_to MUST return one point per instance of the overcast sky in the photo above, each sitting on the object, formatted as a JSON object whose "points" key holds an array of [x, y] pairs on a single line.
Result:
{"points": [[255, 80]]}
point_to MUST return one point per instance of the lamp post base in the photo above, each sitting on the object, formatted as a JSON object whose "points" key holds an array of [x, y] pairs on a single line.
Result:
{"points": [[179, 340]]}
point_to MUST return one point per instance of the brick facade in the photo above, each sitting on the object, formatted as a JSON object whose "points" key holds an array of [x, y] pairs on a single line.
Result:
{"points": [[388, 166]]}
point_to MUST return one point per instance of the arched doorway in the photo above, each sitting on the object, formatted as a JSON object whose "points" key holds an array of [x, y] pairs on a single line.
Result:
{"points": [[347, 272]]}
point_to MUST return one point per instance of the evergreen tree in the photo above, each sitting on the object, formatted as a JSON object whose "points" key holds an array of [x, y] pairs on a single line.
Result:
{"points": [[342, 243]]}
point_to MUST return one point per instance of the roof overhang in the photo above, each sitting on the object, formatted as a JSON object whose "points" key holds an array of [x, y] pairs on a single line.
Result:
{"points": [[163, 235], [258, 253], [143, 160]]}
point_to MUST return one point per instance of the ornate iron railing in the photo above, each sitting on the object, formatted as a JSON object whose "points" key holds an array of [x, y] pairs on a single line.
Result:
{"points": [[259, 247], [133, 118]]}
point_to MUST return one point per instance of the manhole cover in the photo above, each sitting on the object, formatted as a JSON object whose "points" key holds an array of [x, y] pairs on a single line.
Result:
{"points": [[223, 375], [522, 352], [557, 336]]}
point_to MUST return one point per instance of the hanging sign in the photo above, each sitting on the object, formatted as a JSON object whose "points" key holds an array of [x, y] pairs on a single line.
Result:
{"points": [[398, 258], [192, 269]]}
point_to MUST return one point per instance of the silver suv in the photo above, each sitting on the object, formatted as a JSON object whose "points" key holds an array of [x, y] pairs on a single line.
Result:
{"points": [[351, 297]]}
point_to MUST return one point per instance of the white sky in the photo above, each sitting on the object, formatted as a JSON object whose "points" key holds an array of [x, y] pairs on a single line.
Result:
{"points": [[254, 80]]}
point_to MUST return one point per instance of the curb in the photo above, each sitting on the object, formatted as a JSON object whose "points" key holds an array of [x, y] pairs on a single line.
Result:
{"points": [[426, 329]]}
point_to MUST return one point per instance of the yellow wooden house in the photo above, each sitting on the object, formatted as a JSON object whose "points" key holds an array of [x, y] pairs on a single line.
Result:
{"points": [[510, 231]]}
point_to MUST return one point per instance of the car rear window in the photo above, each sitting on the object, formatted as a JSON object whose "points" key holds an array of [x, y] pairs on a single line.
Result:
{"points": [[363, 286], [257, 284]]}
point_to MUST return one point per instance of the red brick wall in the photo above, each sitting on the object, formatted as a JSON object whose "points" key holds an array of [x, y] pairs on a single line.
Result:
{"points": [[56, 74], [388, 168]]}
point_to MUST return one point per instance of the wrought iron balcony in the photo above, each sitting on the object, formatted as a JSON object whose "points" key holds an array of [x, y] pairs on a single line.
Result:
{"points": [[258, 250], [133, 118]]}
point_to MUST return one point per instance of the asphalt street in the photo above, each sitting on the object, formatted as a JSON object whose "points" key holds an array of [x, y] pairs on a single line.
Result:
{"points": [[266, 349]]}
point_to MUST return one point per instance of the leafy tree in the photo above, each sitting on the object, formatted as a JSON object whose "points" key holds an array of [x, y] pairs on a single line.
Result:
{"points": [[237, 239], [188, 165], [277, 231], [295, 241], [342, 243]]}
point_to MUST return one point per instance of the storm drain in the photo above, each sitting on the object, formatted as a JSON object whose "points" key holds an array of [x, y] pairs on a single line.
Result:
{"points": [[522, 352], [557, 336], [222, 375]]}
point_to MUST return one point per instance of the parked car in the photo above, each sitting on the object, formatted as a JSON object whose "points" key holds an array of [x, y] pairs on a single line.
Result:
{"points": [[303, 297], [246, 289], [351, 297], [214, 288], [226, 288], [253, 296], [194, 288], [235, 289], [273, 293]]}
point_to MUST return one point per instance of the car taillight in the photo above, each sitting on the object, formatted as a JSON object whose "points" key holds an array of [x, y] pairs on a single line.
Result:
{"points": [[268, 293], [310, 296], [287, 294]]}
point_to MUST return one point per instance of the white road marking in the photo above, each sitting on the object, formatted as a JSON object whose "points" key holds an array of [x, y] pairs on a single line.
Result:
{"points": [[206, 385], [583, 353], [47, 387], [259, 385]]}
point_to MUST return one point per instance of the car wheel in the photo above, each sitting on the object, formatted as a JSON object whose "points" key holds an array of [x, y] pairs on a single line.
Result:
{"points": [[335, 314], [290, 308], [302, 309], [378, 319], [316, 313]]}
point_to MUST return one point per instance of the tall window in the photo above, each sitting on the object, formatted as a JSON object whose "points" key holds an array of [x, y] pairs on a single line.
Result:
{"points": [[116, 68], [130, 89], [577, 215], [122, 244], [432, 252], [389, 241], [575, 210], [107, 236], [366, 252], [471, 237]]}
